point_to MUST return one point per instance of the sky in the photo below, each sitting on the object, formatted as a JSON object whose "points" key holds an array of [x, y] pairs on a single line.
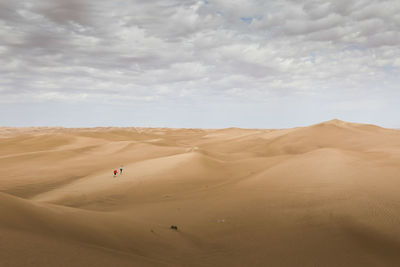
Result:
{"points": [[199, 64]]}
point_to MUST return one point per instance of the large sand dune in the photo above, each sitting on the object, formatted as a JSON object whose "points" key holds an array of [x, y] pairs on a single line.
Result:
{"points": [[324, 195]]}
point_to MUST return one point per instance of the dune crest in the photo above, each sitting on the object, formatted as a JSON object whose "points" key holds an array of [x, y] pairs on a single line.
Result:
{"points": [[322, 195]]}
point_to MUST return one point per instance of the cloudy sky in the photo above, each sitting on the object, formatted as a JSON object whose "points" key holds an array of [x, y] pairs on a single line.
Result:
{"points": [[209, 63]]}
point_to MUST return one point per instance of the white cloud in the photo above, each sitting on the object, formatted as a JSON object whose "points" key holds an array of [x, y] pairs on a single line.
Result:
{"points": [[163, 50]]}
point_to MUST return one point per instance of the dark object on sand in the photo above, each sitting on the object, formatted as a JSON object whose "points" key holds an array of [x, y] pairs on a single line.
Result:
{"points": [[174, 227]]}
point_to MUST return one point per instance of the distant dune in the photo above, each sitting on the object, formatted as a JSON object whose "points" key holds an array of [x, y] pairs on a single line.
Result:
{"points": [[323, 195]]}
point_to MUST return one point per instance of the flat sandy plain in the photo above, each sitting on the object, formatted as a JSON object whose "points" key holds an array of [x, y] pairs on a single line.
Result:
{"points": [[323, 195]]}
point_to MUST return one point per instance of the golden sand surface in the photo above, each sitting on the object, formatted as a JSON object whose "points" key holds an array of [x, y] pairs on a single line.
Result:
{"points": [[323, 195]]}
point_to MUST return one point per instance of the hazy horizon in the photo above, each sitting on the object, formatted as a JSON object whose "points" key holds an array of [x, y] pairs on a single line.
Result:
{"points": [[334, 121]]}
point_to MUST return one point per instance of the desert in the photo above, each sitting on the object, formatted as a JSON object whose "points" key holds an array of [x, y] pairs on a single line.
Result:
{"points": [[201, 133], [320, 195]]}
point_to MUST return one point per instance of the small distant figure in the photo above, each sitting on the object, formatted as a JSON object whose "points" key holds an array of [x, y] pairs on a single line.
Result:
{"points": [[115, 173], [174, 227], [121, 168]]}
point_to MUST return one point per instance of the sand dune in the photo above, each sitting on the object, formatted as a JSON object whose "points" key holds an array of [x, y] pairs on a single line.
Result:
{"points": [[323, 195]]}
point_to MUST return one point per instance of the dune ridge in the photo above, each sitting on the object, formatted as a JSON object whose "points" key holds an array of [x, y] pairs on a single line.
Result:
{"points": [[322, 195]]}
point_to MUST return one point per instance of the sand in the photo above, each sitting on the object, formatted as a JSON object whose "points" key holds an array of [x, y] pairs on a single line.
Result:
{"points": [[323, 195]]}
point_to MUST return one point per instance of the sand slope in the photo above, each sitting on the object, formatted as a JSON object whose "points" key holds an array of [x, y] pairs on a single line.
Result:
{"points": [[323, 195]]}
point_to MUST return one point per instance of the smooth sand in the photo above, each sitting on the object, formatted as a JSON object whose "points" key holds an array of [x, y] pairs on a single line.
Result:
{"points": [[324, 195]]}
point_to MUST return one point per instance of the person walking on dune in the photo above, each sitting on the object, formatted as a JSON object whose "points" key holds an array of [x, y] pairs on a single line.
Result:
{"points": [[121, 168], [115, 173]]}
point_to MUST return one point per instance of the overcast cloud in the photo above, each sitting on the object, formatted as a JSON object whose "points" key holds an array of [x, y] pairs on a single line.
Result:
{"points": [[214, 63]]}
